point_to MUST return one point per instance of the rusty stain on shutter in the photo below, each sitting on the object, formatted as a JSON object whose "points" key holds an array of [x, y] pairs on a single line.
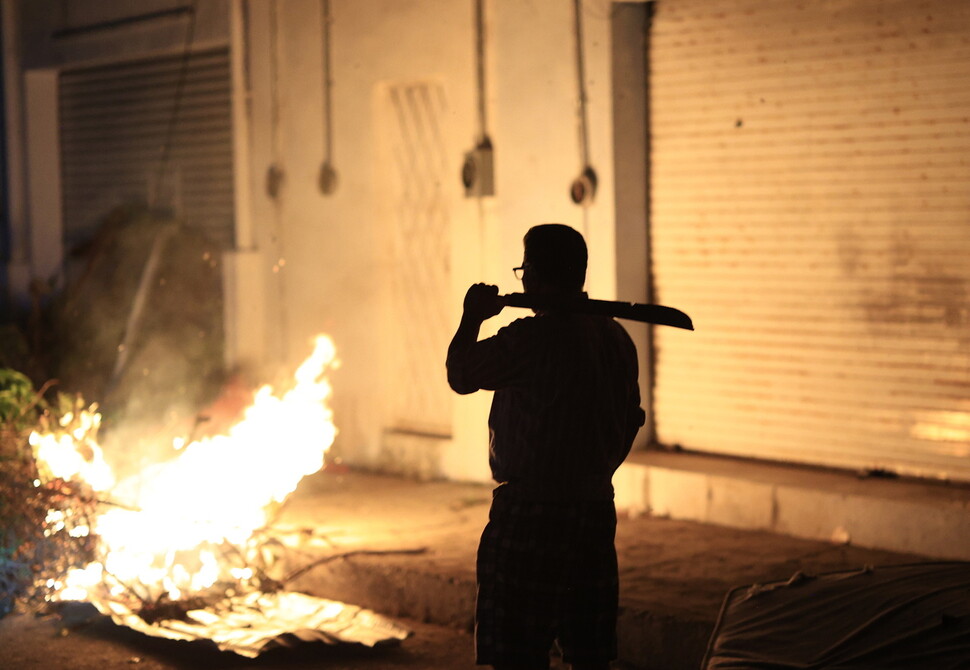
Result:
{"points": [[810, 207], [115, 122]]}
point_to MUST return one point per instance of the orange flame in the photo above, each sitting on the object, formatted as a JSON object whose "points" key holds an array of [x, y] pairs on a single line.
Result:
{"points": [[216, 490]]}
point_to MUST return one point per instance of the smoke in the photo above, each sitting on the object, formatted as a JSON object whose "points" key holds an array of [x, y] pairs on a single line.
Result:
{"points": [[138, 329]]}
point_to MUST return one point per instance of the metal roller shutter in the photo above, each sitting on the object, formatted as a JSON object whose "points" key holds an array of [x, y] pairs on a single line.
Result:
{"points": [[810, 209], [115, 123]]}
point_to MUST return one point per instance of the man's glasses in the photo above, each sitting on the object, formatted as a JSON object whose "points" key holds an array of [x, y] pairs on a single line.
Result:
{"points": [[519, 271]]}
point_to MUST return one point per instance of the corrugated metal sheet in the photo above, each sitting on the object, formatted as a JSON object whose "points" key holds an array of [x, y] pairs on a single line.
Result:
{"points": [[811, 211], [116, 121]]}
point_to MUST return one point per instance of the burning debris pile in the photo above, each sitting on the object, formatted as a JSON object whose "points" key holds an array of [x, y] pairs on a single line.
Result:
{"points": [[45, 520], [178, 550]]}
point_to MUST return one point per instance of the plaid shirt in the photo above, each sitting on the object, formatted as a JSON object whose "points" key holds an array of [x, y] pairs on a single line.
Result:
{"points": [[566, 406]]}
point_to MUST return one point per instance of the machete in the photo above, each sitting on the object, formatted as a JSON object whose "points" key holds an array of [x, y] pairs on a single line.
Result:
{"points": [[656, 314]]}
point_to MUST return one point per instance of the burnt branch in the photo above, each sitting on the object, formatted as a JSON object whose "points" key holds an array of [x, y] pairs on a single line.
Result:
{"points": [[348, 554]]}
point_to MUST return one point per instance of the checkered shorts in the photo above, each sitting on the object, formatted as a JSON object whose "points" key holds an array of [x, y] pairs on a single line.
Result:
{"points": [[546, 571]]}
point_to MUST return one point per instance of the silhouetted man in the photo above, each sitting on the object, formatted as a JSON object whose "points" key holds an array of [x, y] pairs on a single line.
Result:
{"points": [[564, 415]]}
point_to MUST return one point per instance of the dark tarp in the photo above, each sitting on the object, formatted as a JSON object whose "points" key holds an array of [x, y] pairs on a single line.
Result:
{"points": [[906, 616]]}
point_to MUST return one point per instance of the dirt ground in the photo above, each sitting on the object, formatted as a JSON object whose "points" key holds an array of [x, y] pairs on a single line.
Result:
{"points": [[674, 575], [81, 639]]}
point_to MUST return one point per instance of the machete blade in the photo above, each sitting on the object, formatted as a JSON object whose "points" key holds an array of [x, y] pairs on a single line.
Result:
{"points": [[659, 315]]}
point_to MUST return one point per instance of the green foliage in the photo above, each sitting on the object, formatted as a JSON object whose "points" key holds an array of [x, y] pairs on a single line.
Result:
{"points": [[18, 399], [37, 511]]}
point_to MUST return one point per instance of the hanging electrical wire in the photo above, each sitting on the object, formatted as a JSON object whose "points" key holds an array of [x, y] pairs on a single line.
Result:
{"points": [[480, 69], [246, 65], [477, 173], [274, 175], [583, 188], [327, 181], [581, 82], [165, 158]]}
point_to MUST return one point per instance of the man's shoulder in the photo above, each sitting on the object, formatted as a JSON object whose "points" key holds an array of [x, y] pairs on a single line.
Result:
{"points": [[525, 326], [545, 327], [605, 324], [617, 327]]}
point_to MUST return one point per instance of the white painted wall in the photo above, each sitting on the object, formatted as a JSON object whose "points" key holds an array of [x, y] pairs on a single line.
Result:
{"points": [[332, 245], [43, 175], [306, 262]]}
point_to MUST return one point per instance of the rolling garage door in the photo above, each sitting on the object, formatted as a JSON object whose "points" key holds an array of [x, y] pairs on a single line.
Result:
{"points": [[811, 211], [152, 131]]}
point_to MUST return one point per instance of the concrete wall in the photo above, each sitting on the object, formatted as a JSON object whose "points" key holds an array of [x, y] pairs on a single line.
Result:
{"points": [[41, 37], [307, 262], [335, 246], [56, 34]]}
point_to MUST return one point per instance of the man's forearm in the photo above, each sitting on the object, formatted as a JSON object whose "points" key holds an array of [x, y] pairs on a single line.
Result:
{"points": [[464, 339], [481, 302]]}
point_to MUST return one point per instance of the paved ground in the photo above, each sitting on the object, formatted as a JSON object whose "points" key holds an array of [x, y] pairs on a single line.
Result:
{"points": [[350, 526], [81, 639], [673, 574]]}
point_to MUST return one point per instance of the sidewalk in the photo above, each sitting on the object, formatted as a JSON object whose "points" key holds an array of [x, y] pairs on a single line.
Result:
{"points": [[673, 574]]}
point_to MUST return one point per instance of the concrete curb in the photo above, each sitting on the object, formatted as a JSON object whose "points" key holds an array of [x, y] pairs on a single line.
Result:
{"points": [[919, 517]]}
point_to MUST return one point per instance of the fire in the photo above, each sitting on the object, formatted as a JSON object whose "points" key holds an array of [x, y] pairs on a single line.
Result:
{"points": [[172, 522], [62, 450]]}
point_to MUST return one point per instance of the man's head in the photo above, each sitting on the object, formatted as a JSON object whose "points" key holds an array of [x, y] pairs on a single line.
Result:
{"points": [[554, 260]]}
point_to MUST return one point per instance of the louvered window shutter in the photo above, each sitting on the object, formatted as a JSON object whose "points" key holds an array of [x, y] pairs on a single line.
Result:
{"points": [[119, 144], [810, 210]]}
